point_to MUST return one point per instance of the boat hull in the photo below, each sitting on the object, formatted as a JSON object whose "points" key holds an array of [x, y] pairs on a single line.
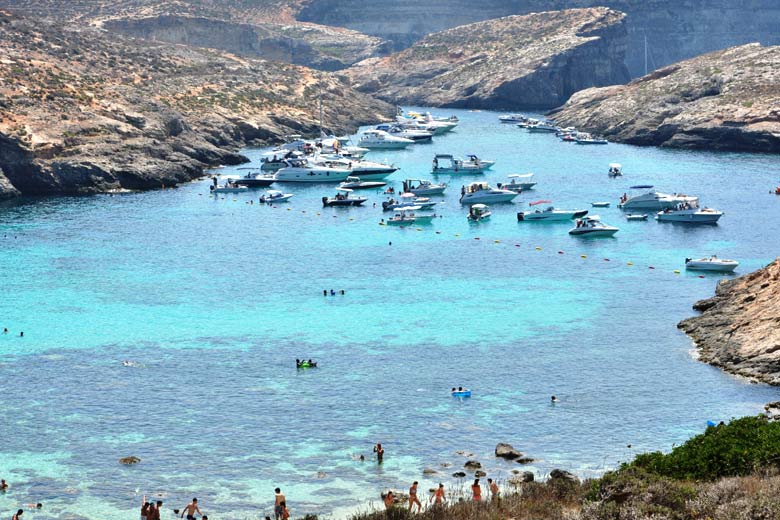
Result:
{"points": [[593, 233], [488, 198], [551, 216], [336, 203], [311, 175], [689, 218], [717, 267], [255, 183]]}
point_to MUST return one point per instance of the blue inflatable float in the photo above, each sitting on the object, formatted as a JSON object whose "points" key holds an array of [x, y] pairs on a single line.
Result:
{"points": [[463, 393]]}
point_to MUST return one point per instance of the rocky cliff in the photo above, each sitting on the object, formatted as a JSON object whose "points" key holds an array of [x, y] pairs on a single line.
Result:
{"points": [[739, 328], [724, 100], [672, 30], [84, 111], [532, 61]]}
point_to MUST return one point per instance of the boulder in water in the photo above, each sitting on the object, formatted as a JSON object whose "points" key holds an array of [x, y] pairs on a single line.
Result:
{"points": [[129, 460], [472, 465], [479, 473], [429, 471], [507, 451], [459, 474]]}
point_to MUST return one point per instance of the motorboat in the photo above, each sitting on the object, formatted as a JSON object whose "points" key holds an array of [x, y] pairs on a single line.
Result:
{"points": [[343, 198], [446, 163], [592, 226], [274, 160], [600, 204], [274, 196], [519, 183], [482, 192], [337, 145], [436, 125], [300, 170], [228, 187], [550, 213], [486, 165], [423, 187], [636, 216], [563, 132], [356, 183], [366, 170], [712, 263], [528, 122], [513, 118], [543, 126], [417, 135], [689, 213], [406, 216], [585, 138], [653, 200], [615, 170], [253, 179], [379, 140], [478, 212], [406, 200]]}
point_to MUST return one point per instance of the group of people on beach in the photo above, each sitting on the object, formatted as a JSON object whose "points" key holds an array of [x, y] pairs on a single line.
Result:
{"points": [[439, 497], [151, 510]]}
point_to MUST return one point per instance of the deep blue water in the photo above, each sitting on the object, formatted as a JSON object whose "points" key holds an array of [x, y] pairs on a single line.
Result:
{"points": [[215, 298]]}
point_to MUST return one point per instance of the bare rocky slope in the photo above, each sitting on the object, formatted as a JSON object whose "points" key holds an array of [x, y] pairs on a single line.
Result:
{"points": [[739, 328], [83, 111], [532, 61], [672, 30], [725, 100]]}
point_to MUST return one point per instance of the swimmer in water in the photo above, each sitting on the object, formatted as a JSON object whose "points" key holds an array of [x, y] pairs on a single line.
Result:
{"points": [[553, 399], [3, 485]]}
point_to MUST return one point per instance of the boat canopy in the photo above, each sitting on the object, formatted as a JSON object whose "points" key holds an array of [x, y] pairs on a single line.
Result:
{"points": [[344, 190], [615, 165], [273, 193], [591, 217], [481, 185], [641, 187], [543, 201], [443, 156], [518, 176], [478, 206], [408, 195]]}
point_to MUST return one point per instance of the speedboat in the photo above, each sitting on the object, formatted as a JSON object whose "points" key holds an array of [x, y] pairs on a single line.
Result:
{"points": [[300, 170], [417, 135], [486, 165], [543, 126], [446, 163], [379, 140], [406, 216], [343, 198], [653, 199], [481, 192], [274, 160], [550, 213], [600, 204], [615, 170], [689, 213], [585, 138], [273, 196], [423, 187], [228, 187], [478, 212], [513, 118], [406, 200], [712, 263], [519, 183], [636, 216], [592, 226], [252, 179], [356, 183], [366, 170]]}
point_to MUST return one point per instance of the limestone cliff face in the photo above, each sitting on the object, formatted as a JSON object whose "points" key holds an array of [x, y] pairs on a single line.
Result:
{"points": [[724, 100], [739, 328], [674, 30], [532, 61], [82, 111]]}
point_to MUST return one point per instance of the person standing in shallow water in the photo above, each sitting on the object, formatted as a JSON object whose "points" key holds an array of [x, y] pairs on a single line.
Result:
{"points": [[191, 509], [279, 499], [413, 498], [380, 452]]}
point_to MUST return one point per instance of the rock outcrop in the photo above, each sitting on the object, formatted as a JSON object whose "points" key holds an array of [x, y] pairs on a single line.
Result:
{"points": [[82, 111], [738, 329], [661, 31], [533, 61], [726, 100], [507, 451]]}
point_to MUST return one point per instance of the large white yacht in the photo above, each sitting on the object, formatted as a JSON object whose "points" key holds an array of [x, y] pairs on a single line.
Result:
{"points": [[482, 192], [380, 140], [299, 170], [653, 199]]}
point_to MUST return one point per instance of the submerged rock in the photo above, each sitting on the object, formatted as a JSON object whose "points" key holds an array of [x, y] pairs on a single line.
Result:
{"points": [[429, 471], [129, 460]]}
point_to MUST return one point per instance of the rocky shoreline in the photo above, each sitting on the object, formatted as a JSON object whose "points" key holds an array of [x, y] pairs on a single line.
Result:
{"points": [[738, 329], [82, 111]]}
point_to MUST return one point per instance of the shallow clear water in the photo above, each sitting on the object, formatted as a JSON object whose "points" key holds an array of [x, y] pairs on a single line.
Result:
{"points": [[215, 298]]}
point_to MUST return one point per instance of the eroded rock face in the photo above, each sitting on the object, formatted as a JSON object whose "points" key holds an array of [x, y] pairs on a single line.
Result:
{"points": [[532, 61], [726, 100], [740, 329], [82, 111]]}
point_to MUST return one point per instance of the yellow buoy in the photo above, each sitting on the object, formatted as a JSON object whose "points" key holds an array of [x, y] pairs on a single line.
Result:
{"points": [[629, 263], [676, 271], [457, 234], [496, 241], [583, 256], [538, 248], [419, 229]]}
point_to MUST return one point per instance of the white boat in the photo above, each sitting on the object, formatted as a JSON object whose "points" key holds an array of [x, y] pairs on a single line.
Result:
{"points": [[519, 183], [712, 263], [689, 213], [228, 187], [299, 170], [482, 192], [636, 216], [600, 204], [513, 118], [406, 200], [406, 216], [653, 200], [343, 198], [417, 135], [550, 214], [585, 138], [366, 170], [592, 226], [485, 164], [543, 126], [615, 170], [379, 140], [436, 125], [274, 196], [274, 160], [423, 187], [446, 163], [356, 183], [254, 179], [478, 212]]}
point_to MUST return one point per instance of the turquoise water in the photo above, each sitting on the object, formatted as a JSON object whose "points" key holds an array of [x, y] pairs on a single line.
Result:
{"points": [[215, 298]]}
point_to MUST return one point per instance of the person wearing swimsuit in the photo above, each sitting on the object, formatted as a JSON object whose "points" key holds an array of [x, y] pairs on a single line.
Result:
{"points": [[438, 496], [476, 491], [413, 498]]}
